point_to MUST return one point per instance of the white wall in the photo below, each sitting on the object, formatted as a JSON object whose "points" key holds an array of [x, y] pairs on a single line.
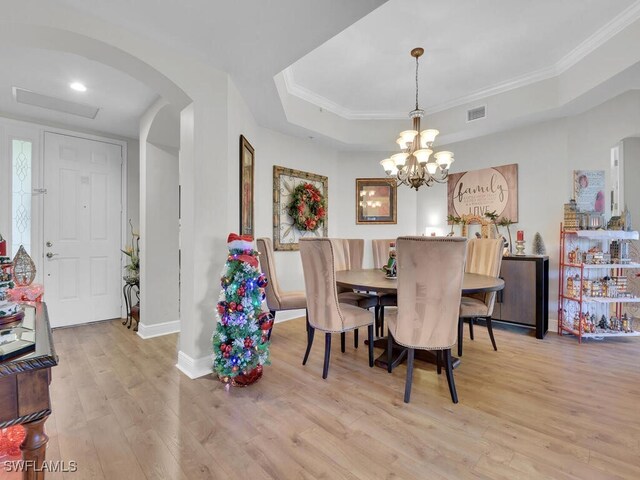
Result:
{"points": [[273, 148], [352, 165], [159, 229], [631, 165], [159, 290], [546, 154]]}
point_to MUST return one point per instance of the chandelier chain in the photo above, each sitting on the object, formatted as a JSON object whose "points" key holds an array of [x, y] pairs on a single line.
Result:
{"points": [[416, 83]]}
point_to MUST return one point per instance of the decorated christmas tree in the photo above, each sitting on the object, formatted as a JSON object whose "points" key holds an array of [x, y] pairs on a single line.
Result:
{"points": [[240, 343]]}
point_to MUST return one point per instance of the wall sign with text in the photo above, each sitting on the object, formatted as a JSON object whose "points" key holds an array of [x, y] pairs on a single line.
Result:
{"points": [[480, 191]]}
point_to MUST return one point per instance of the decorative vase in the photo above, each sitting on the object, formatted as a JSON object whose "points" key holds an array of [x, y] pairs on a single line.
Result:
{"points": [[24, 270], [246, 379]]}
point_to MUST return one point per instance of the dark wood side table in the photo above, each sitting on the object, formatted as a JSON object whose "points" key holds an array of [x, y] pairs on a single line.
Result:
{"points": [[133, 311], [525, 298], [24, 390]]}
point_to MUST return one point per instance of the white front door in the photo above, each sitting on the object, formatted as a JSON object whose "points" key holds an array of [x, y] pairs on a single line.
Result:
{"points": [[82, 229]]}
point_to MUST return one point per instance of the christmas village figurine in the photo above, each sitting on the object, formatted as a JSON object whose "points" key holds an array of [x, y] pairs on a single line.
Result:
{"points": [[241, 340]]}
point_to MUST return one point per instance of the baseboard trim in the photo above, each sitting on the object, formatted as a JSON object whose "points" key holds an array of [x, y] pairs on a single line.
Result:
{"points": [[194, 367], [158, 329], [286, 315], [553, 325]]}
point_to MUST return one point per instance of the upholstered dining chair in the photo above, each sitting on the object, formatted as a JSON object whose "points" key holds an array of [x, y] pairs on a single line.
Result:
{"points": [[484, 256], [430, 274], [277, 300], [350, 256], [325, 312], [380, 258]]}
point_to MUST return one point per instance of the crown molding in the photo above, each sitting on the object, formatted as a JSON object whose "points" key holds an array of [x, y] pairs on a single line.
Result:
{"points": [[601, 36], [297, 90]]}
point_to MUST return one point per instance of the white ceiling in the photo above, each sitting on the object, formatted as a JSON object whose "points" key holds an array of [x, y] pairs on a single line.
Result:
{"points": [[121, 99], [252, 40], [471, 47], [289, 57]]}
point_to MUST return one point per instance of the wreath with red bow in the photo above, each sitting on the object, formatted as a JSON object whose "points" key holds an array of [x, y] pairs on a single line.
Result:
{"points": [[308, 207]]}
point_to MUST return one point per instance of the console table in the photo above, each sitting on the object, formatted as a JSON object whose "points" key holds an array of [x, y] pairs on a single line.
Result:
{"points": [[525, 298], [133, 311], [24, 390]]}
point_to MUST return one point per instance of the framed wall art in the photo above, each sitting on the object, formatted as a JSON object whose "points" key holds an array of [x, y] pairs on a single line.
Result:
{"points": [[487, 190], [376, 201], [247, 160], [300, 207], [588, 190]]}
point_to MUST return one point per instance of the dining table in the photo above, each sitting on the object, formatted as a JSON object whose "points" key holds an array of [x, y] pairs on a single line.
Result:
{"points": [[376, 281]]}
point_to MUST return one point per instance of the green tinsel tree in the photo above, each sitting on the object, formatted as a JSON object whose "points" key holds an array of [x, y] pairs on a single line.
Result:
{"points": [[240, 343], [538, 247]]}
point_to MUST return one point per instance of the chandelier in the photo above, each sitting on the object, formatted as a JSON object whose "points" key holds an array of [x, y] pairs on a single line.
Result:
{"points": [[413, 166]]}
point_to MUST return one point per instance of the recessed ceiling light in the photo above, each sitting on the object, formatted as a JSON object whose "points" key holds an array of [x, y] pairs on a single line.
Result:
{"points": [[78, 87]]}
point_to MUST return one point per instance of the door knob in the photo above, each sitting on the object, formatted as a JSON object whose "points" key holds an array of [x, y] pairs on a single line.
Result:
{"points": [[50, 255], [49, 244]]}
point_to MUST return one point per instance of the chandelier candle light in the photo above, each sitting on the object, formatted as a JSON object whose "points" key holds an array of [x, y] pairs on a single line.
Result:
{"points": [[412, 166]]}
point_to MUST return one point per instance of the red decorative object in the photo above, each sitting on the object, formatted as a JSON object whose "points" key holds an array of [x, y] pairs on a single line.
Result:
{"points": [[3, 247], [10, 440], [246, 379], [29, 293], [520, 237], [307, 207]]}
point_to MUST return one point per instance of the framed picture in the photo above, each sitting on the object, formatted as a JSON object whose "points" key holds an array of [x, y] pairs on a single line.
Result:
{"points": [[376, 201], [247, 159], [588, 190], [477, 192], [287, 184]]}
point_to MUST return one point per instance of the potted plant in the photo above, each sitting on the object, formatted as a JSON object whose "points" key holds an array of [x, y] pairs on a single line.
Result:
{"points": [[132, 269]]}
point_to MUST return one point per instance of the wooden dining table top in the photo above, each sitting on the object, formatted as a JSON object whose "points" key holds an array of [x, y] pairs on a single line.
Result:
{"points": [[374, 280]]}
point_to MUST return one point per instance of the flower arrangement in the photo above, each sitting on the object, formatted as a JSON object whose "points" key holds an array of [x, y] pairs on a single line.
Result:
{"points": [[133, 252], [308, 208]]}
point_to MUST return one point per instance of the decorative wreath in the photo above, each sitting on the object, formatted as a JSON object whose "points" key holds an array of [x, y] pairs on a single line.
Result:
{"points": [[307, 208]]}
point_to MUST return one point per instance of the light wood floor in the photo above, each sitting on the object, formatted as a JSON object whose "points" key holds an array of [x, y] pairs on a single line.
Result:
{"points": [[535, 409]]}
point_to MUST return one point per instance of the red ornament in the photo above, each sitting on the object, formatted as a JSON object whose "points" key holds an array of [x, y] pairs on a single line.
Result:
{"points": [[239, 308], [232, 306]]}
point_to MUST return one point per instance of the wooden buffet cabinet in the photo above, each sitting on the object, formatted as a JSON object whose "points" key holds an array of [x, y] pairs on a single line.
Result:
{"points": [[24, 390], [525, 298]]}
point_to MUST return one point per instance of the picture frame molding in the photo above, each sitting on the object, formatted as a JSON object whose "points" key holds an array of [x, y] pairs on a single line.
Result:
{"points": [[393, 200], [244, 144], [278, 172]]}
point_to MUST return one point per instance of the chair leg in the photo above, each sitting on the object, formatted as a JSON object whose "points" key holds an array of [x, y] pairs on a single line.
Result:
{"points": [[343, 342], [382, 320], [439, 361], [327, 354], [409, 380], [389, 352], [370, 332], [273, 314], [471, 321], [355, 338], [490, 329], [377, 319], [310, 332], [460, 335], [449, 369], [306, 314]]}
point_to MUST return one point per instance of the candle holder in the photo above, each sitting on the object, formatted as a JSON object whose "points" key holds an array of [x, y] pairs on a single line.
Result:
{"points": [[520, 247]]}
